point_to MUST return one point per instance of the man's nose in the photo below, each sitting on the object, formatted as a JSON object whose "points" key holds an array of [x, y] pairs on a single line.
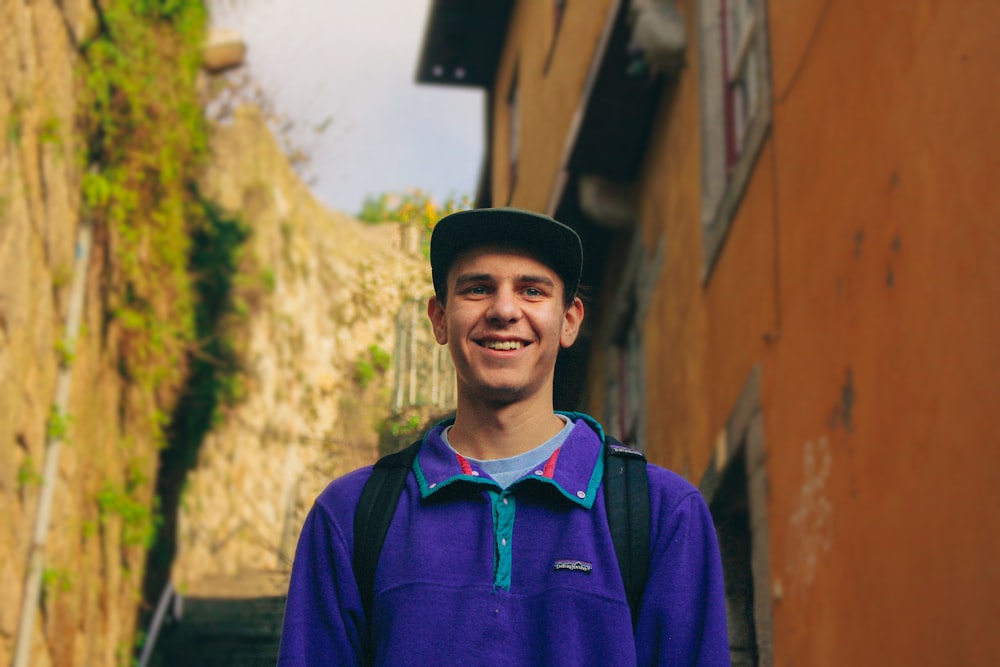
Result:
{"points": [[504, 306]]}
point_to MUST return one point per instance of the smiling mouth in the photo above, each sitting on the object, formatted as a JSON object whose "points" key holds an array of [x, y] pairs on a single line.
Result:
{"points": [[502, 345]]}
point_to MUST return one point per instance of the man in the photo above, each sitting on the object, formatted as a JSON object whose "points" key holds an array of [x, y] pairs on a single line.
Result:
{"points": [[499, 551]]}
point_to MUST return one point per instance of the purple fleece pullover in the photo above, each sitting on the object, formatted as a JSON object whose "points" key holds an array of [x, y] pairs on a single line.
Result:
{"points": [[474, 575]]}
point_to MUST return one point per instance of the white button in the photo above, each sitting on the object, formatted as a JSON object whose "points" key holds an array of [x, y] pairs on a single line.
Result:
{"points": [[505, 501], [433, 485], [538, 472], [475, 473], [581, 494], [504, 541]]}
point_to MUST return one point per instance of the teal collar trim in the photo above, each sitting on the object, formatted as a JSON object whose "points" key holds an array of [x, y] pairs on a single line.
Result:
{"points": [[575, 471]]}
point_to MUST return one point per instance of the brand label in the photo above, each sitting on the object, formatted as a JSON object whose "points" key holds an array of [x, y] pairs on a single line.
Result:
{"points": [[574, 565]]}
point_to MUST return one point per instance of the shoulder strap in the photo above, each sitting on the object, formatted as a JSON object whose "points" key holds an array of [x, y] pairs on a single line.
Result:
{"points": [[626, 500], [373, 515]]}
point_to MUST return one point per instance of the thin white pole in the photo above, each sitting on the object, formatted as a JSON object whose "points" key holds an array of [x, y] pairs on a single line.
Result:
{"points": [[53, 445]]}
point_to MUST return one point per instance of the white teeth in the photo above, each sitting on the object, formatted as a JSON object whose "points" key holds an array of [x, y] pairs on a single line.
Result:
{"points": [[505, 345]]}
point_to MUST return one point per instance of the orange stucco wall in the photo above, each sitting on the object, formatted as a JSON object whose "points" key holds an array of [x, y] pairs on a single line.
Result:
{"points": [[861, 274], [549, 98], [889, 278]]}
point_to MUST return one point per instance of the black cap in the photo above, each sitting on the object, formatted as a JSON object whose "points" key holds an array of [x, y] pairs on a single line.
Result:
{"points": [[555, 244]]}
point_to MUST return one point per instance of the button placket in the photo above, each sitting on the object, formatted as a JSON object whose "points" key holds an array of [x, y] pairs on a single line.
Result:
{"points": [[503, 533]]}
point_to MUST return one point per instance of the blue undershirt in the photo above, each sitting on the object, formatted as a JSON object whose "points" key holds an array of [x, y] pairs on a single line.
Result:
{"points": [[507, 471]]}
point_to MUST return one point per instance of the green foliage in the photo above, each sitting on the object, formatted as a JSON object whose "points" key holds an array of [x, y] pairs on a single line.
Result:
{"points": [[15, 128], [224, 297], [48, 133], [224, 274], [364, 372], [61, 275], [176, 285], [269, 279], [380, 358], [139, 520], [64, 352], [27, 475], [145, 139], [414, 207], [409, 426], [58, 424], [373, 361], [399, 429], [411, 207], [57, 580]]}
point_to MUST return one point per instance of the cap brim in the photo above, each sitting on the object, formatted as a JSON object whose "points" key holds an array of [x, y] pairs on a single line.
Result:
{"points": [[554, 243]]}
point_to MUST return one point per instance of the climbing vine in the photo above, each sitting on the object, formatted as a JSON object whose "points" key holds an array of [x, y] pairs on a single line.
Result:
{"points": [[177, 283], [145, 140]]}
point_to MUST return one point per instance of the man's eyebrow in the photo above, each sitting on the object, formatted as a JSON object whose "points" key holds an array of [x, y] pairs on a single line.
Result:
{"points": [[473, 278], [539, 280]]}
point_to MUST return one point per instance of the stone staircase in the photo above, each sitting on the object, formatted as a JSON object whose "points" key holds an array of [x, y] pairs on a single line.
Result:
{"points": [[226, 622]]}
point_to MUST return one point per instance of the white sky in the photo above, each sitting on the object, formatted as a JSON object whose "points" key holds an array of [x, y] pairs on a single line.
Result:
{"points": [[354, 61]]}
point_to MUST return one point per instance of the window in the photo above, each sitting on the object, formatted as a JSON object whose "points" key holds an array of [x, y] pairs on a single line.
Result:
{"points": [[514, 136], [558, 10], [736, 110]]}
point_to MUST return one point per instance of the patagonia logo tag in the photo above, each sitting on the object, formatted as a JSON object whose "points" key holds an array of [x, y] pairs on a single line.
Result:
{"points": [[574, 565]]}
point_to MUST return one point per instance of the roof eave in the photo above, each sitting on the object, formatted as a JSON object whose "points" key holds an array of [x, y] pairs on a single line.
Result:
{"points": [[462, 42]]}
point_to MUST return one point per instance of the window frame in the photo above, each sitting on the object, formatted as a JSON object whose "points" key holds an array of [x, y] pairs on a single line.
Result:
{"points": [[732, 132]]}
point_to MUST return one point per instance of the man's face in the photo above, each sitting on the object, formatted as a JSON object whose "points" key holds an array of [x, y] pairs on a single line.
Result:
{"points": [[504, 321]]}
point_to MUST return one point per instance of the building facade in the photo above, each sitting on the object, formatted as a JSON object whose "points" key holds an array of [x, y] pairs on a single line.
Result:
{"points": [[791, 226]]}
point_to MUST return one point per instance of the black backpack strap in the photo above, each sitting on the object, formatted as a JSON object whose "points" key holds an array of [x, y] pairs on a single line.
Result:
{"points": [[373, 515], [626, 500]]}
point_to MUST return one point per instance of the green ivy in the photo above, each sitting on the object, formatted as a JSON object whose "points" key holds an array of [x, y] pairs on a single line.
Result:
{"points": [[374, 361], [145, 141], [58, 424], [139, 520], [27, 474]]}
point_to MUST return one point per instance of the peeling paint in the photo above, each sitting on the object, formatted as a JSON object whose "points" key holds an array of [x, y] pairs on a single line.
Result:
{"points": [[812, 522]]}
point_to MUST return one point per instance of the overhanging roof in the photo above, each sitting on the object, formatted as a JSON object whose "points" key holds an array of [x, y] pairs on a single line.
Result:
{"points": [[462, 42]]}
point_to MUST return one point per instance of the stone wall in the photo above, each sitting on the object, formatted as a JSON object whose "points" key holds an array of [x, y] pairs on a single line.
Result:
{"points": [[305, 419], [91, 576], [307, 416]]}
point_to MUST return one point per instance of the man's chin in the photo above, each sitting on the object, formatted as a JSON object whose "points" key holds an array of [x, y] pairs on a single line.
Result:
{"points": [[502, 394]]}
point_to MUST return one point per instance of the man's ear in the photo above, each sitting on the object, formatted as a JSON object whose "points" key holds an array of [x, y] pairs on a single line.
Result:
{"points": [[435, 311], [572, 320]]}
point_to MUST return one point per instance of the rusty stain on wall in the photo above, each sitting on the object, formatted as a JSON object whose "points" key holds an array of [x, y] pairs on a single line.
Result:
{"points": [[843, 411]]}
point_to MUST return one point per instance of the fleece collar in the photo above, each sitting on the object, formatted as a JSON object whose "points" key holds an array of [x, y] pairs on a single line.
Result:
{"points": [[574, 470]]}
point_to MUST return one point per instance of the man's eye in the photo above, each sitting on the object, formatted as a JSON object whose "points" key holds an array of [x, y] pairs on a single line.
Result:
{"points": [[476, 289], [533, 291]]}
